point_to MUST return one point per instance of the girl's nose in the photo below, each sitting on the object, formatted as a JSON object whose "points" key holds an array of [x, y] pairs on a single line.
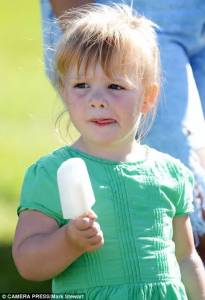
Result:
{"points": [[97, 105], [98, 101]]}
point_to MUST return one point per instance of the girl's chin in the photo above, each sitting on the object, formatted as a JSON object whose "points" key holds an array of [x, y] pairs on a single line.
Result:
{"points": [[101, 141]]}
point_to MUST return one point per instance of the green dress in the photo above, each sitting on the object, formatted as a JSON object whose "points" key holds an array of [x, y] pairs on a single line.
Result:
{"points": [[135, 203]]}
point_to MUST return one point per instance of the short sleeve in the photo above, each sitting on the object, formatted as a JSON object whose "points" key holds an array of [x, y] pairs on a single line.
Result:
{"points": [[40, 192], [184, 203]]}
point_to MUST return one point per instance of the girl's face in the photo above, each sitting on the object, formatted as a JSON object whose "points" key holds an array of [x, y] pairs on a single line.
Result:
{"points": [[105, 111]]}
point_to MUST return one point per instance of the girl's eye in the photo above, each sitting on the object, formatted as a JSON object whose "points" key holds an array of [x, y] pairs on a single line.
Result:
{"points": [[115, 87], [81, 85]]}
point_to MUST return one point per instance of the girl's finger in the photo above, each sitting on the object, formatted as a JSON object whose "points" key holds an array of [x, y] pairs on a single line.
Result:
{"points": [[90, 214], [83, 223], [92, 231], [97, 239]]}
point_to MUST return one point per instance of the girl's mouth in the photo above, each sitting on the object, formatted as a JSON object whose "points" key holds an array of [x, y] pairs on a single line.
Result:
{"points": [[103, 122]]}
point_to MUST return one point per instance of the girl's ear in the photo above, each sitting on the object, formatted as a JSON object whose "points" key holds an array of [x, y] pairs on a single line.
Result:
{"points": [[150, 97]]}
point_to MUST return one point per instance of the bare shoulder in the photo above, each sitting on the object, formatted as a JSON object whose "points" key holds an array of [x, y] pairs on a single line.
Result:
{"points": [[30, 223]]}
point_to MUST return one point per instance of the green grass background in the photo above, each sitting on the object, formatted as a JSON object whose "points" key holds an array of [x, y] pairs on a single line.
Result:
{"points": [[28, 109]]}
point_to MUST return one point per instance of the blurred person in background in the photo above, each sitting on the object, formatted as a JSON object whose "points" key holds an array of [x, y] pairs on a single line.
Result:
{"points": [[181, 36]]}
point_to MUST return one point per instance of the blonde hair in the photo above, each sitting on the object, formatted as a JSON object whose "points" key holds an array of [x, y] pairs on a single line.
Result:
{"points": [[114, 36]]}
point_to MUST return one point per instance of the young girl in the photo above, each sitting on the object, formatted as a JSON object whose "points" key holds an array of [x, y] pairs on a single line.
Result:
{"points": [[137, 238]]}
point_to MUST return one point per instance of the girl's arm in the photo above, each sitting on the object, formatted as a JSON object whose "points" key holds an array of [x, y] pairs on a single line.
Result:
{"points": [[60, 6], [42, 250], [191, 266]]}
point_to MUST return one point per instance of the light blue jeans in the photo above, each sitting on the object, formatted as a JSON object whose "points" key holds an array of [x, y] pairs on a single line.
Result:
{"points": [[179, 128]]}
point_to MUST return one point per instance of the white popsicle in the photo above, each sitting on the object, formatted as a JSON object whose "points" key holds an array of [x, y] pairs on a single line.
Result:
{"points": [[76, 193]]}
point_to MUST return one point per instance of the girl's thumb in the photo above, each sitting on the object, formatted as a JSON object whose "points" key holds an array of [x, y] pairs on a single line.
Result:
{"points": [[91, 214]]}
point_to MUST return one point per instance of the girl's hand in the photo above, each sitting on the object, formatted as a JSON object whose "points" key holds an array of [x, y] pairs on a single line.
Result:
{"points": [[85, 233]]}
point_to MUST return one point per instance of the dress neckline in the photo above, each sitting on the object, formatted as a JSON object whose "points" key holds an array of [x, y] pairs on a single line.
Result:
{"points": [[88, 156]]}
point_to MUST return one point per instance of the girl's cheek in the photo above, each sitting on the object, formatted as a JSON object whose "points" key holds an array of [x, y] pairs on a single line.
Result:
{"points": [[78, 95]]}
